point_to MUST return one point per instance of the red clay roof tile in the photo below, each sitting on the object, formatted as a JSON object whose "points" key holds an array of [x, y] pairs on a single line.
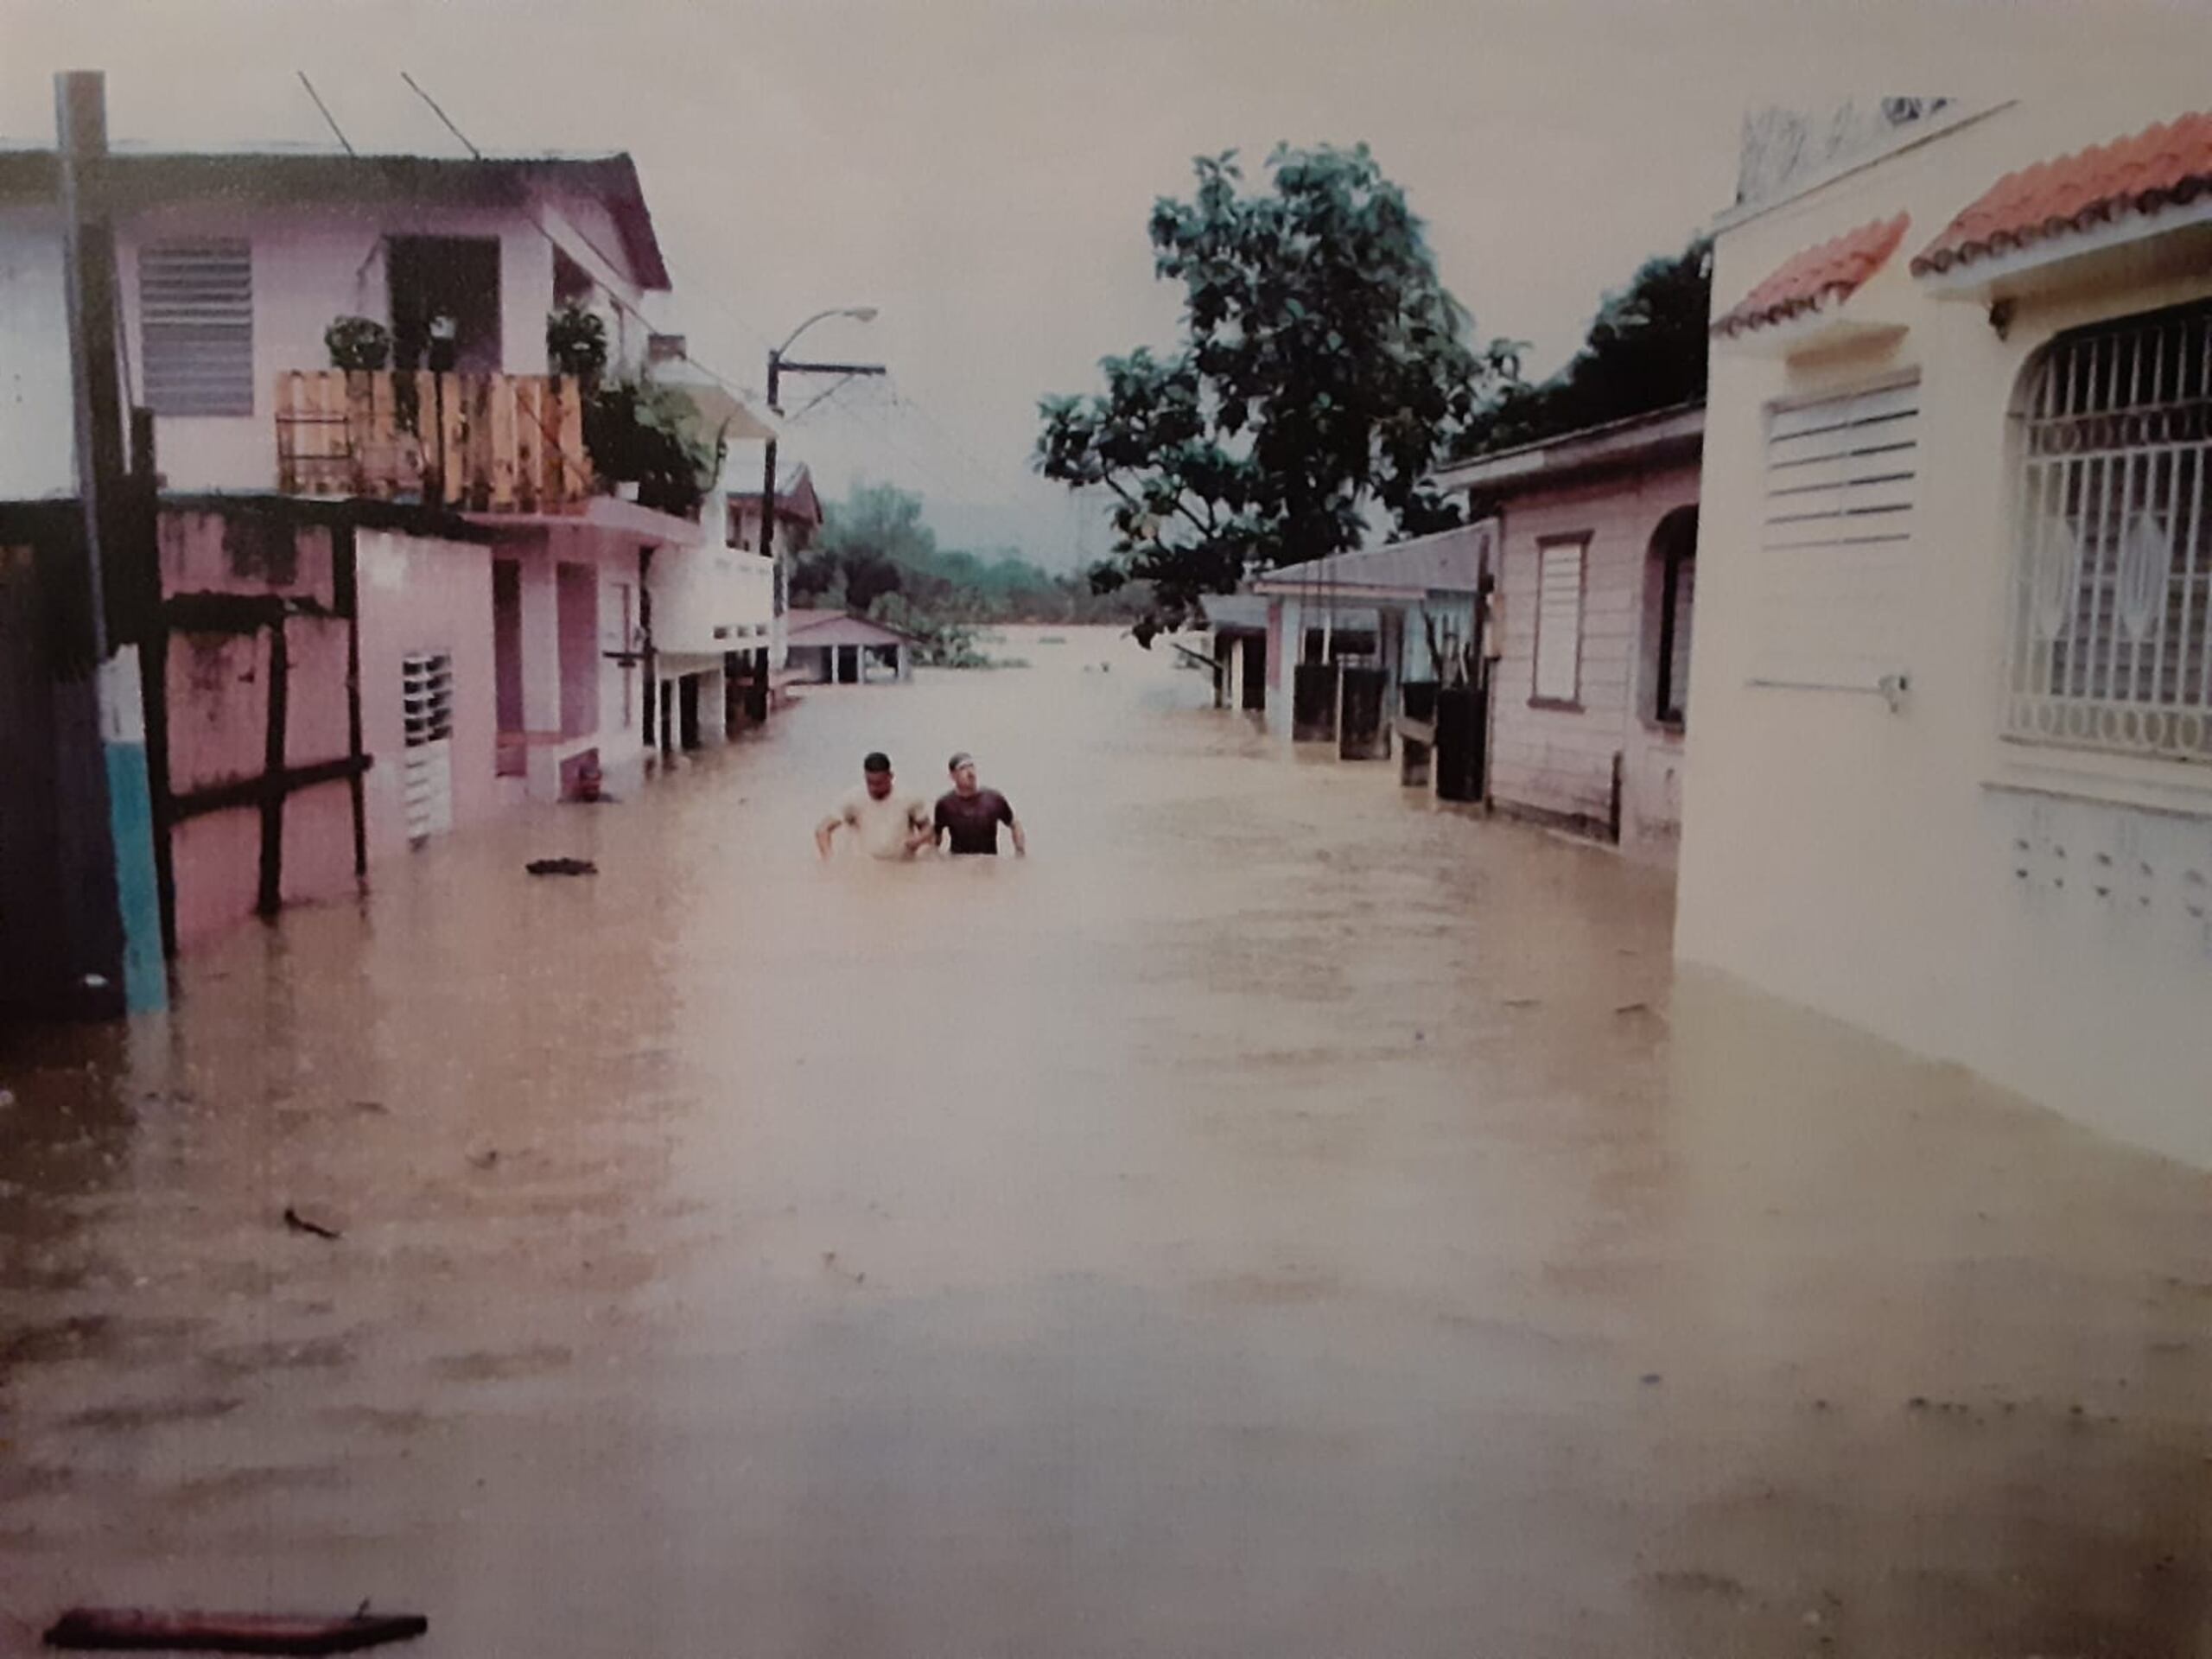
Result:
{"points": [[1830, 272], [2163, 166]]}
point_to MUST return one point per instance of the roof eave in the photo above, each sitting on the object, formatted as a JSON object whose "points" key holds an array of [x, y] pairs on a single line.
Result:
{"points": [[1640, 437], [2050, 260]]}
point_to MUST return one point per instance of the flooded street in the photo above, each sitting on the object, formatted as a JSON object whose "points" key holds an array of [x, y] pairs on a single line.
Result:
{"points": [[1275, 1218]]}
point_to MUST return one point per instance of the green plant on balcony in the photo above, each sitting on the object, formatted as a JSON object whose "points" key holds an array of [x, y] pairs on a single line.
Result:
{"points": [[357, 344], [575, 342], [640, 432]]}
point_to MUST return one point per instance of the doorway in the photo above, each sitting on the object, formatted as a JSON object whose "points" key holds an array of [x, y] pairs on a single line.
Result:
{"points": [[445, 302]]}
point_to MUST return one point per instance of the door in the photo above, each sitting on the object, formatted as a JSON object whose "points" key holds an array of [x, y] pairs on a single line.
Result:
{"points": [[426, 773], [445, 302]]}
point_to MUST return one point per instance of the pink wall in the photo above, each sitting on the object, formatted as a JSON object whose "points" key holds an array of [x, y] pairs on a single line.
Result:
{"points": [[219, 684], [1559, 762], [419, 594]]}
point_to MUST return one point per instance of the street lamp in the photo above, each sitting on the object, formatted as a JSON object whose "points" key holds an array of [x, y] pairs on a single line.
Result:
{"points": [[780, 365]]}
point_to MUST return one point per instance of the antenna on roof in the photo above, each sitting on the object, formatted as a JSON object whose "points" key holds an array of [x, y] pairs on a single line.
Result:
{"points": [[441, 114], [333, 120]]}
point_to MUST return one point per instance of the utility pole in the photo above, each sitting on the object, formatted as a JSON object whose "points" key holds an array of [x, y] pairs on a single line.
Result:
{"points": [[779, 367], [118, 792]]}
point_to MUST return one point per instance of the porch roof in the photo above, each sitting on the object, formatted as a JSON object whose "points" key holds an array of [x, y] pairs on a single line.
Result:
{"points": [[1448, 562], [1240, 613], [810, 630]]}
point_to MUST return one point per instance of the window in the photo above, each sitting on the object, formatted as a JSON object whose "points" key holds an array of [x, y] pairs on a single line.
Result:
{"points": [[2111, 619], [195, 326], [426, 772], [1673, 552], [1835, 573], [1559, 620]]}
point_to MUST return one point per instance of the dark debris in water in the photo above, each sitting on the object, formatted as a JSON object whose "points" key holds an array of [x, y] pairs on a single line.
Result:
{"points": [[562, 866]]}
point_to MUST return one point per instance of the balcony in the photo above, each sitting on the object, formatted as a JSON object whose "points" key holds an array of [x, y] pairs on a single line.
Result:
{"points": [[472, 442]]}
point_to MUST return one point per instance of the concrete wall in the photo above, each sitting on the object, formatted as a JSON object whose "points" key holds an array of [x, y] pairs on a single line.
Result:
{"points": [[421, 595], [606, 715], [1559, 762], [219, 685], [1903, 870], [709, 598], [37, 445]]}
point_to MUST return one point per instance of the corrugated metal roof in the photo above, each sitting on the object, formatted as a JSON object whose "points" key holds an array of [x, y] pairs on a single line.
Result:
{"points": [[810, 630], [1449, 561], [1246, 611]]}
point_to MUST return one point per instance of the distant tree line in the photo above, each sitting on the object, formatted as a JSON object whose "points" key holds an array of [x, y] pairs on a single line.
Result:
{"points": [[875, 556]]}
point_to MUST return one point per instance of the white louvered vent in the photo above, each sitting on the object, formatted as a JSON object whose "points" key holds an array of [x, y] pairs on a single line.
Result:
{"points": [[1559, 621], [426, 774], [195, 301], [1842, 485]]}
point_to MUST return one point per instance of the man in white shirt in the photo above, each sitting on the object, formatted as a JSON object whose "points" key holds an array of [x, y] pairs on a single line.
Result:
{"points": [[885, 823]]}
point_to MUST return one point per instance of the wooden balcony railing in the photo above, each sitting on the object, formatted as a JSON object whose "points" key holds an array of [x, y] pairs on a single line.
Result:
{"points": [[475, 442]]}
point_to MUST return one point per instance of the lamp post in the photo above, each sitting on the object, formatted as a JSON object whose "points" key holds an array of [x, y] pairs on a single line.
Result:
{"points": [[779, 365]]}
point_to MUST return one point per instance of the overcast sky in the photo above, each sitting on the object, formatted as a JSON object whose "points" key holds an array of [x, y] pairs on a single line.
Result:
{"points": [[981, 169]]}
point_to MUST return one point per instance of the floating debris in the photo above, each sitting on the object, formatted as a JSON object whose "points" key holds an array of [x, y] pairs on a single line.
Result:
{"points": [[562, 866], [115, 1628], [300, 1223]]}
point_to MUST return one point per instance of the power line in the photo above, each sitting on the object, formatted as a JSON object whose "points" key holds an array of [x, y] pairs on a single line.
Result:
{"points": [[620, 304], [441, 115], [343, 143]]}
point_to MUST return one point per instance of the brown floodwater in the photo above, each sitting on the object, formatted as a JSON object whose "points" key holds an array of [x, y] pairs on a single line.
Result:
{"points": [[1277, 1219]]}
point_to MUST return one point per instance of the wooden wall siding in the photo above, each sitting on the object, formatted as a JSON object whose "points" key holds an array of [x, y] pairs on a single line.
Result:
{"points": [[479, 443], [1559, 762]]}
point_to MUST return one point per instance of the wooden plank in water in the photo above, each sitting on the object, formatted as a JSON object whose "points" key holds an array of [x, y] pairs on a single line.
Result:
{"points": [[113, 1628]]}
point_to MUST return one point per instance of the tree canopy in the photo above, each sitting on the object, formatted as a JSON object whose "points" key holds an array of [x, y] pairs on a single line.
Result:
{"points": [[1645, 351], [875, 548], [1323, 369]]}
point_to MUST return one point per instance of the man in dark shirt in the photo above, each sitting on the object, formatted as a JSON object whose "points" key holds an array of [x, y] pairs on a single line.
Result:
{"points": [[970, 815]]}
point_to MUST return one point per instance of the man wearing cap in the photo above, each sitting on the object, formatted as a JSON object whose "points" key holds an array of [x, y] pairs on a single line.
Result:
{"points": [[885, 823], [971, 815]]}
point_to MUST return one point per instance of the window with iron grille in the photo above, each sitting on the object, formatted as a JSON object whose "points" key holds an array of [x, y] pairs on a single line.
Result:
{"points": [[2112, 608], [195, 326]]}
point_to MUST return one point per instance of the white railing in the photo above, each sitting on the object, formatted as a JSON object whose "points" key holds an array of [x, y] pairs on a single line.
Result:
{"points": [[2112, 612]]}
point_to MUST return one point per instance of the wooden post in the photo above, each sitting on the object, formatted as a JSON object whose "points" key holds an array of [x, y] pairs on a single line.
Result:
{"points": [[114, 778], [273, 780], [346, 557]]}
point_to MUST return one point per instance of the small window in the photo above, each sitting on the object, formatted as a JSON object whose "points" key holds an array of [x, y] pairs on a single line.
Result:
{"points": [[195, 326], [1559, 621], [426, 688], [2112, 605]]}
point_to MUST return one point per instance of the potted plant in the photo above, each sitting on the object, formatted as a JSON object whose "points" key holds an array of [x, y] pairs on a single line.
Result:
{"points": [[357, 345], [575, 342], [641, 439]]}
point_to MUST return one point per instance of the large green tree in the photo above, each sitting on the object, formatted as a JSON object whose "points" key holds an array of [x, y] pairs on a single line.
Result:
{"points": [[1323, 369], [1645, 351]]}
